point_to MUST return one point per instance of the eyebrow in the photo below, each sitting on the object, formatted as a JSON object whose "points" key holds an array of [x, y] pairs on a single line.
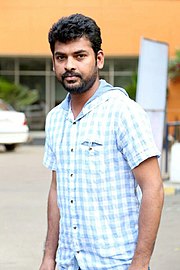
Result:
{"points": [[76, 52], [80, 51], [58, 53]]}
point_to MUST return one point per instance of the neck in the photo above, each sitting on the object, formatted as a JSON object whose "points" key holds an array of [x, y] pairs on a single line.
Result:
{"points": [[78, 100]]}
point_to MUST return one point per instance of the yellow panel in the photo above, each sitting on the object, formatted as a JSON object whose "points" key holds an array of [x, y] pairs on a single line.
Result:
{"points": [[24, 25]]}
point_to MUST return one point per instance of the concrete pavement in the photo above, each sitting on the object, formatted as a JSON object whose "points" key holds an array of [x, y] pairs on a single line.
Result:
{"points": [[166, 254], [24, 185]]}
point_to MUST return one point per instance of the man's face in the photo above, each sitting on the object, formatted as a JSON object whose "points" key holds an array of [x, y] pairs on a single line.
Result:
{"points": [[75, 65]]}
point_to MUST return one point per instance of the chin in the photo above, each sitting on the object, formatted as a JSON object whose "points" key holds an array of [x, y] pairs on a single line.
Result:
{"points": [[73, 88]]}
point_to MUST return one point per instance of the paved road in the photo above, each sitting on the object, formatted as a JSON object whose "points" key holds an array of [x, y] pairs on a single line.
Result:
{"points": [[24, 185], [167, 250]]}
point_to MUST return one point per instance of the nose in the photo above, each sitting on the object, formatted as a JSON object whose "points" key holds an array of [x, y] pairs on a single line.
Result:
{"points": [[70, 64]]}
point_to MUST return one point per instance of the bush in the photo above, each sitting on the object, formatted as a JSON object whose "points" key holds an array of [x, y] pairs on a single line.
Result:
{"points": [[131, 88], [17, 95], [174, 66]]}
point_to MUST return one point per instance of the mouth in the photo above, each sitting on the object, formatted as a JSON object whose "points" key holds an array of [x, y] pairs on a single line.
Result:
{"points": [[70, 76]]}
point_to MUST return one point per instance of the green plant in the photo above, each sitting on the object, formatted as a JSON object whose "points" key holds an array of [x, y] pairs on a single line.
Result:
{"points": [[131, 87], [174, 66], [17, 95]]}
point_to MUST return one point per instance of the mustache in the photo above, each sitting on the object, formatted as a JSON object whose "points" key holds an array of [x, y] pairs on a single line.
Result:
{"points": [[70, 74]]}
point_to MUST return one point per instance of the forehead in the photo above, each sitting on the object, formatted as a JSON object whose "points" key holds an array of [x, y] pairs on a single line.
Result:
{"points": [[73, 46]]}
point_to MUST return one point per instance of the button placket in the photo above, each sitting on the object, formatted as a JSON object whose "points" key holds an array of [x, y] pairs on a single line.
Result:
{"points": [[72, 160], [72, 184], [75, 239]]}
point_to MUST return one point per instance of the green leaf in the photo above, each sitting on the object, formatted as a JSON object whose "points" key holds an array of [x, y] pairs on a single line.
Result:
{"points": [[17, 95]]}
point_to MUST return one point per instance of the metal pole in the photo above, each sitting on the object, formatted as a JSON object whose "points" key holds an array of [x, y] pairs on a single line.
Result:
{"points": [[166, 147]]}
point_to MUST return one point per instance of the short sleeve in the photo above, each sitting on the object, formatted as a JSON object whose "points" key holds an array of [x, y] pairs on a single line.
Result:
{"points": [[134, 136], [49, 159]]}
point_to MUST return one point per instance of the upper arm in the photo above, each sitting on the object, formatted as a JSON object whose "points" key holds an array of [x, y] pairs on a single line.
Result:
{"points": [[53, 183], [53, 189], [53, 203], [148, 175]]}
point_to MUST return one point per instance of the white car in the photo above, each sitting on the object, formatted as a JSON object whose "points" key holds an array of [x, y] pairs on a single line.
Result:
{"points": [[13, 127]]}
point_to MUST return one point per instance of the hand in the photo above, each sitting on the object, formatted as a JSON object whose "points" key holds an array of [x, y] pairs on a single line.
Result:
{"points": [[47, 264]]}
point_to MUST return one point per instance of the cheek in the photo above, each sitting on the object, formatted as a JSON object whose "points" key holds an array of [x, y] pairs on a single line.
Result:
{"points": [[58, 69], [89, 68]]}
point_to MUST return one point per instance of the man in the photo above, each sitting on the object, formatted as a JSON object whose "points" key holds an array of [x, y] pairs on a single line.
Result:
{"points": [[106, 195]]}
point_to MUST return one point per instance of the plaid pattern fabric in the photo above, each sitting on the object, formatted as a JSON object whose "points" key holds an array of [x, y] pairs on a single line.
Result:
{"points": [[98, 196]]}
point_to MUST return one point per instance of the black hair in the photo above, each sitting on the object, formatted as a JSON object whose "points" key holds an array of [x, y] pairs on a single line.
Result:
{"points": [[73, 27]]}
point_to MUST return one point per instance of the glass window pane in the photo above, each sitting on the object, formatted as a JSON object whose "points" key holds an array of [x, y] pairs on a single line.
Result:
{"points": [[104, 75], [35, 113], [32, 64], [34, 82], [60, 92], [122, 81], [6, 63], [122, 64], [126, 83], [107, 63], [9, 78]]}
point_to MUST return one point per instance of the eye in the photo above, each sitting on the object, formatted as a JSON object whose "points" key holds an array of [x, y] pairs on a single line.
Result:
{"points": [[60, 58], [81, 56]]}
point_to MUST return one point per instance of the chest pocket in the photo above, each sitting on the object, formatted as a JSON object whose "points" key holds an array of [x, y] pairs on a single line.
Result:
{"points": [[92, 150], [92, 147]]}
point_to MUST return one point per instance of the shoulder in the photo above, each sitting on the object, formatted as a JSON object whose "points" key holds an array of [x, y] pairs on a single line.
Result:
{"points": [[53, 112], [53, 116], [120, 101]]}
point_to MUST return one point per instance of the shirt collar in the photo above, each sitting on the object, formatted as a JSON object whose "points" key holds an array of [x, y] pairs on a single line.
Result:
{"points": [[103, 88], [100, 90]]}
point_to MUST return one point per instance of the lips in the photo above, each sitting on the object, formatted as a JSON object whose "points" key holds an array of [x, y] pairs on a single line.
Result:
{"points": [[71, 76]]}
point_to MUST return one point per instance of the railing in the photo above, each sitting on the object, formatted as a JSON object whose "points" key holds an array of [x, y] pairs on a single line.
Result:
{"points": [[176, 137]]}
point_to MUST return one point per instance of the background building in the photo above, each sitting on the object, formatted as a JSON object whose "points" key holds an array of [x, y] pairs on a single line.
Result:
{"points": [[25, 56]]}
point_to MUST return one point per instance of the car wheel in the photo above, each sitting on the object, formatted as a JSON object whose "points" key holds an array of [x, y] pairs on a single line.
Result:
{"points": [[10, 147]]}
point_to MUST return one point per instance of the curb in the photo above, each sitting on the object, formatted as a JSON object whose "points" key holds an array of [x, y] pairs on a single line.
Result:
{"points": [[171, 188], [36, 138]]}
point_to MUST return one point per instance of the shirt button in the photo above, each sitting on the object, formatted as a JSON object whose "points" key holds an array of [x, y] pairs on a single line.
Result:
{"points": [[72, 149], [77, 251], [71, 201], [74, 123], [74, 228], [71, 174]]}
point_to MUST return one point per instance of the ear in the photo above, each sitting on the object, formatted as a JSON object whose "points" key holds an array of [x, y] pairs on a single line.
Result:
{"points": [[53, 63], [100, 59]]}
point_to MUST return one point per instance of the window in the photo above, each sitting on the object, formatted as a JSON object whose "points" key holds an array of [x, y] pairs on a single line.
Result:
{"points": [[36, 73], [34, 82], [60, 93], [32, 64], [6, 64], [118, 71]]}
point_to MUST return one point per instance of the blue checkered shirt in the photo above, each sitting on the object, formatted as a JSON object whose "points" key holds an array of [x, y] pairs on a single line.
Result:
{"points": [[98, 197]]}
